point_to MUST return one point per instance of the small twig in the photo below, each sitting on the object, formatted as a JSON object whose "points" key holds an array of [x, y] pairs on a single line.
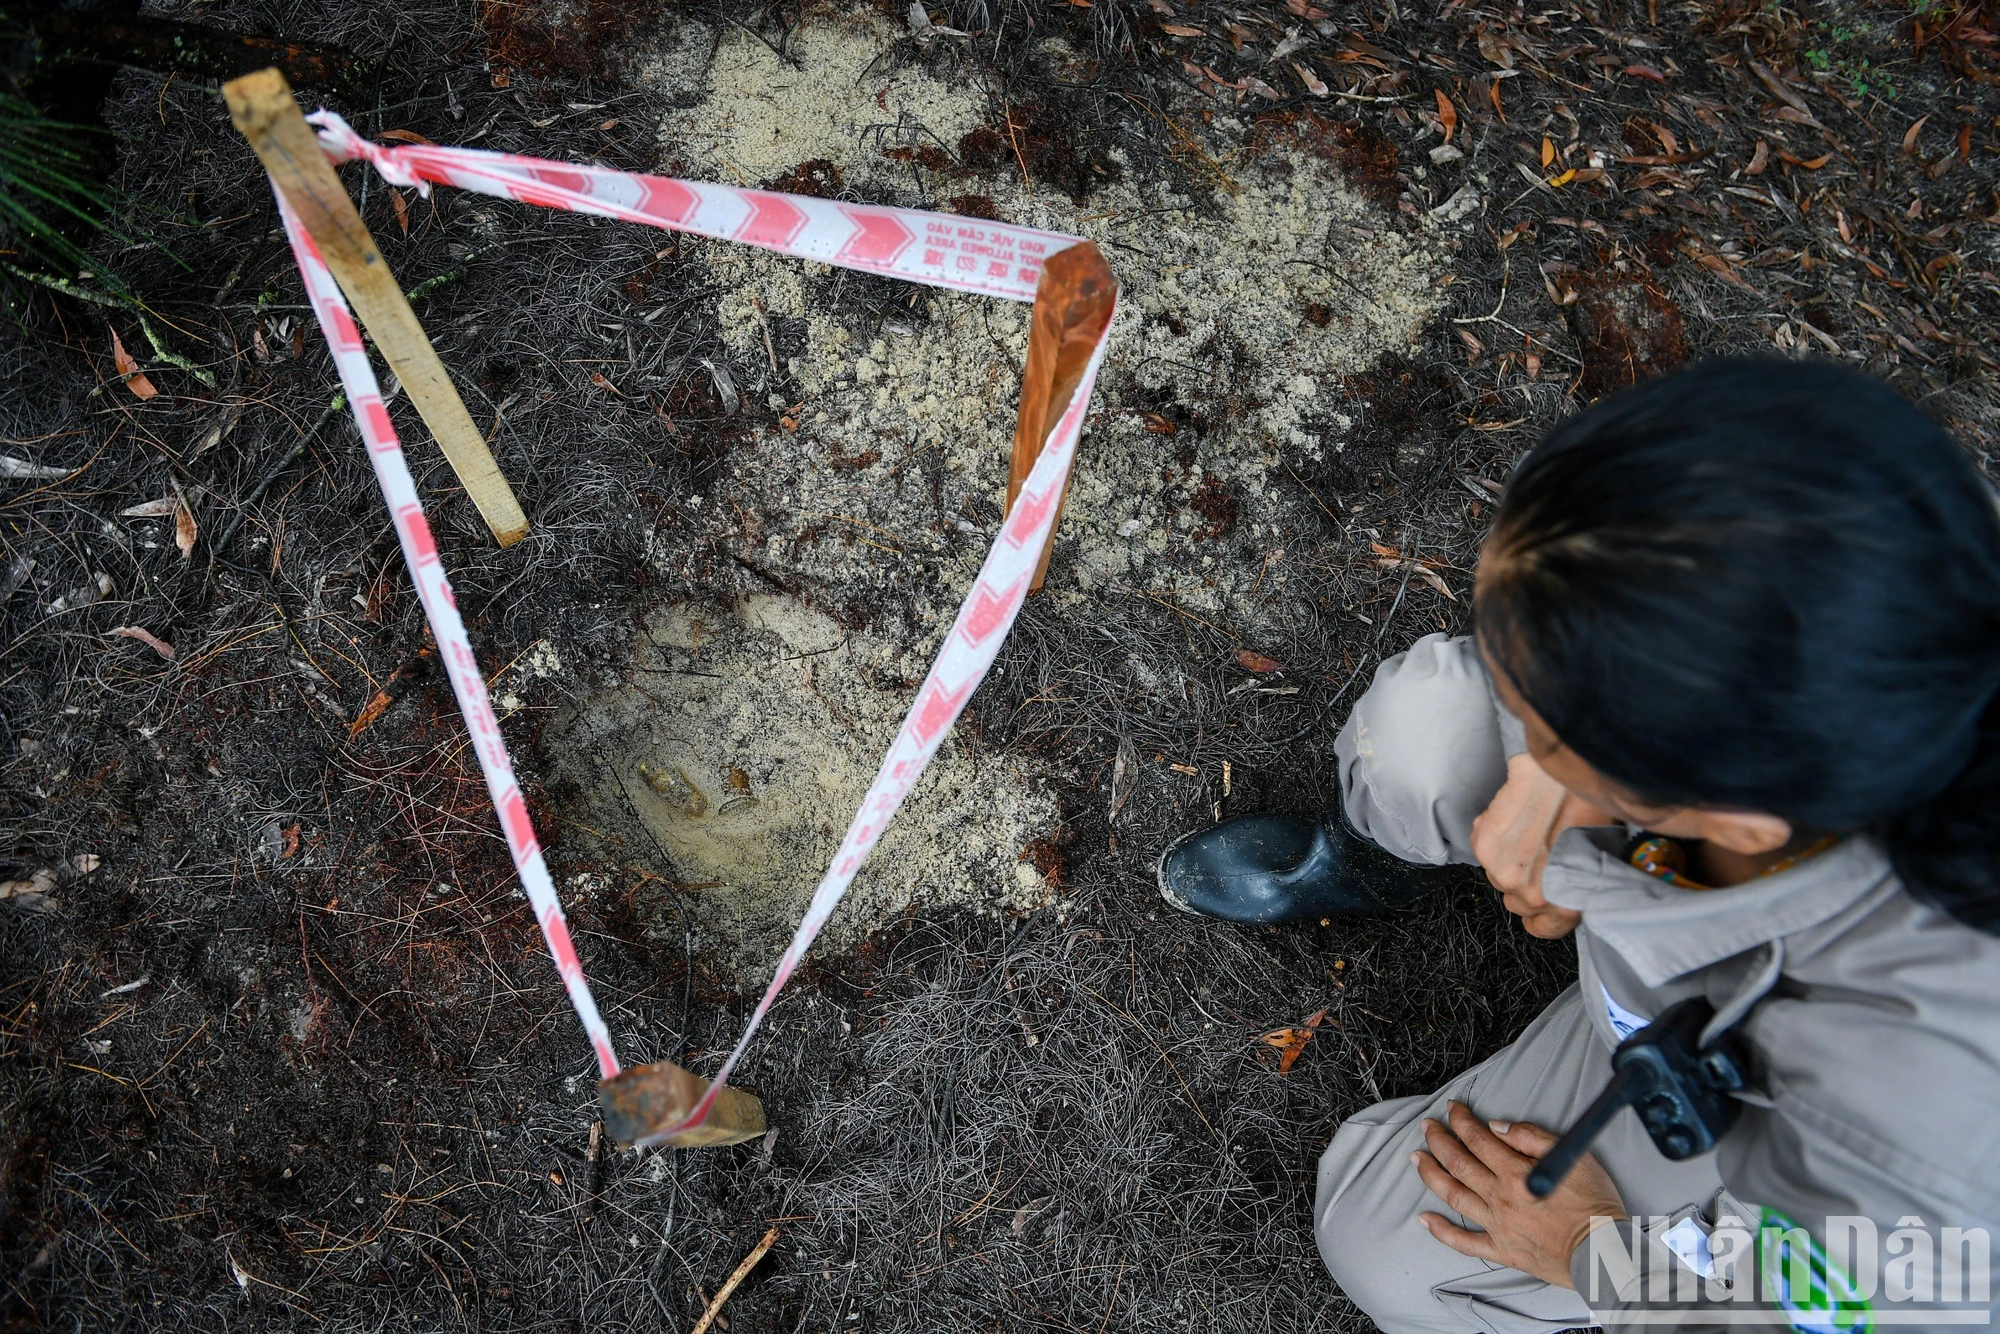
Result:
{"points": [[1362, 97], [459, 271], [1015, 144], [160, 349], [1328, 706], [1178, 611], [257, 492], [1116, 1284], [742, 1271], [1409, 568], [176, 1056], [1188, 1092], [1337, 521], [779, 52], [764, 323], [1497, 305]]}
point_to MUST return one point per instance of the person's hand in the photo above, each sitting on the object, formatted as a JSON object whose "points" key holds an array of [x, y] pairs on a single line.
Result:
{"points": [[1512, 838], [1481, 1170]]}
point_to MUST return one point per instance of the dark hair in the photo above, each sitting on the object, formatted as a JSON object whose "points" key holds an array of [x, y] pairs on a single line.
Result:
{"points": [[1774, 586]]}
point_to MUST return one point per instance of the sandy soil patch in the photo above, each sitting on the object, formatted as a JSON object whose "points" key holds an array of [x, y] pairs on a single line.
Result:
{"points": [[875, 424]]}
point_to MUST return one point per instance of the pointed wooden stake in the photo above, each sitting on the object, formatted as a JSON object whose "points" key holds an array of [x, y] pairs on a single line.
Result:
{"points": [[265, 112], [1073, 303], [641, 1103]]}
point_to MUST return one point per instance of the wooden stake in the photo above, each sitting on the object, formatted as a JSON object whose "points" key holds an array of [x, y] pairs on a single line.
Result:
{"points": [[266, 114], [1073, 303], [638, 1103]]}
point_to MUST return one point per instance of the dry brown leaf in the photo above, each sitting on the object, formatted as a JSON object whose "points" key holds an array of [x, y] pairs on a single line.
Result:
{"points": [[1312, 81], [128, 370], [1182, 30], [1678, 180], [598, 378], [1664, 159], [1910, 136], [1759, 160], [1258, 662], [1493, 91], [1645, 72], [1763, 197], [377, 705], [1719, 265], [146, 637], [1360, 58], [38, 885], [185, 529], [1809, 163], [1447, 115], [1424, 572], [401, 209], [220, 429], [1779, 89], [404, 137], [392, 689], [1548, 152], [1287, 1044], [1965, 142], [13, 469]]}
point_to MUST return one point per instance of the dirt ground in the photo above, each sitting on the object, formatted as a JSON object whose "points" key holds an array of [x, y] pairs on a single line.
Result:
{"points": [[281, 1046]]}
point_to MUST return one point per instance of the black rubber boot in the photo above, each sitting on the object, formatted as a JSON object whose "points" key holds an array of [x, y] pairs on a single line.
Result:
{"points": [[1269, 869]]}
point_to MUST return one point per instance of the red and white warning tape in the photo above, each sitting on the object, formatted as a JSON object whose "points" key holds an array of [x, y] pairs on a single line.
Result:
{"points": [[399, 489], [942, 250]]}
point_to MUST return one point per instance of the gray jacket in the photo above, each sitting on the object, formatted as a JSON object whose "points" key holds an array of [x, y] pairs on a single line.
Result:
{"points": [[1873, 1022]]}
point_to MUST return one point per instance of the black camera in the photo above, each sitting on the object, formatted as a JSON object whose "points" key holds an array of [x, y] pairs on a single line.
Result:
{"points": [[1680, 1089]]}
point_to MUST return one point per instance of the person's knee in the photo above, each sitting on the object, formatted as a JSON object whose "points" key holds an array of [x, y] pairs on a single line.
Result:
{"points": [[1421, 755], [1350, 1238], [1379, 1264], [1365, 1214]]}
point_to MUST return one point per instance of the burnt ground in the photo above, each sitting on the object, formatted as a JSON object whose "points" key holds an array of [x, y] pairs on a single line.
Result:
{"points": [[290, 1056]]}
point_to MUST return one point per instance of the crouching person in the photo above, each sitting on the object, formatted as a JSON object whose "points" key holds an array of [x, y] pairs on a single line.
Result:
{"points": [[1729, 717]]}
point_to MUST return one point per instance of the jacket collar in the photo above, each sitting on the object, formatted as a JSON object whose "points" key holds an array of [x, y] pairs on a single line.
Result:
{"points": [[1664, 931]]}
